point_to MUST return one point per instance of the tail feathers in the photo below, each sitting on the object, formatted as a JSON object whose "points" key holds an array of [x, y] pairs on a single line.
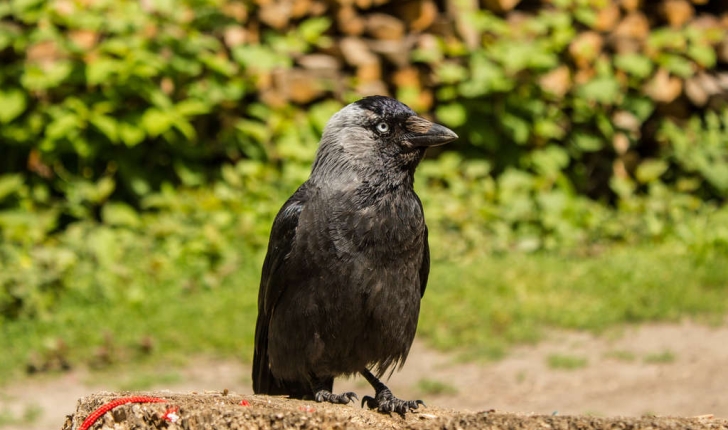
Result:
{"points": [[264, 382]]}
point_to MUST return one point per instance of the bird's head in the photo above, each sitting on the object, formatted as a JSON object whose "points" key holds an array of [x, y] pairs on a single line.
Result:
{"points": [[377, 133]]}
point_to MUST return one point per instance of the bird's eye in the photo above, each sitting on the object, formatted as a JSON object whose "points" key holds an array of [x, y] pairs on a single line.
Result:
{"points": [[382, 127]]}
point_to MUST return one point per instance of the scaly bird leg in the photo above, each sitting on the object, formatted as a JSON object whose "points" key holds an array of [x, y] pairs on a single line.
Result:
{"points": [[383, 400]]}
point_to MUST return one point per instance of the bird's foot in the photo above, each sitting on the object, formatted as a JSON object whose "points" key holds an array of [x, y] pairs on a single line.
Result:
{"points": [[328, 396], [385, 402]]}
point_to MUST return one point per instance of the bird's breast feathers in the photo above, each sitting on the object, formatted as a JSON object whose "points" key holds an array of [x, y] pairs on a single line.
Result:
{"points": [[391, 225]]}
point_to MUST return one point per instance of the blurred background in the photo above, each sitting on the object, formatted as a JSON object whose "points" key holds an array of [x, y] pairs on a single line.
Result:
{"points": [[146, 147]]}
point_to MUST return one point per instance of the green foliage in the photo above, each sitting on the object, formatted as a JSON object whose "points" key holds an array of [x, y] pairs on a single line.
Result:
{"points": [[481, 305], [105, 108], [185, 273], [184, 278], [699, 151], [199, 229], [114, 100], [516, 95], [142, 169]]}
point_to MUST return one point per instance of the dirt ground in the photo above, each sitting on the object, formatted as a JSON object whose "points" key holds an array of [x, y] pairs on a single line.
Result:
{"points": [[653, 370]]}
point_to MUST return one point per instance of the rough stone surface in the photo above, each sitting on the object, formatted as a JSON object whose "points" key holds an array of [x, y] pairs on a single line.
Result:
{"points": [[221, 410]]}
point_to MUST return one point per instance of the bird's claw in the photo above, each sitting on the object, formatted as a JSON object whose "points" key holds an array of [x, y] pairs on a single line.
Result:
{"points": [[369, 400], [327, 396], [351, 396], [385, 402]]}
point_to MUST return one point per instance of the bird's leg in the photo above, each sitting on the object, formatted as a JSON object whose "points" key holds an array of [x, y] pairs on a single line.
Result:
{"points": [[383, 400], [322, 393]]}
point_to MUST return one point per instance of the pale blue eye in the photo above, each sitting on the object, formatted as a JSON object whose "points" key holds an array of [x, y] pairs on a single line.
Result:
{"points": [[382, 127]]}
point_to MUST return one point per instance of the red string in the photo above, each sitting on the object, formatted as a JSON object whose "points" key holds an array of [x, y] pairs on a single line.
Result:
{"points": [[95, 415]]}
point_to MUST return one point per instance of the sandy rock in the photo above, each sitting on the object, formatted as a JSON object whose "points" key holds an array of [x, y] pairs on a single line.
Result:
{"points": [[233, 411]]}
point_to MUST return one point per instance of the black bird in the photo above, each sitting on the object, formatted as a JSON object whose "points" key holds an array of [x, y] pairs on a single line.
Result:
{"points": [[348, 260]]}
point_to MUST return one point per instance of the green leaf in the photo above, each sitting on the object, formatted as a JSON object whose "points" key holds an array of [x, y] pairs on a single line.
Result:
{"points": [[37, 78], [192, 107], [519, 129], [666, 38], [677, 65], [450, 73], [639, 66], [81, 146], [430, 55], [520, 55], [189, 176], [106, 125], [27, 10], [7, 35], [550, 160], [120, 214], [130, 134], [586, 15], [486, 77], [313, 28], [641, 107], [320, 113], [587, 142], [12, 104], [482, 20], [548, 128], [623, 187], [650, 170], [104, 187], [259, 57], [258, 131], [452, 114], [156, 121], [100, 70], [605, 126], [702, 54], [185, 128], [10, 184], [603, 89], [63, 126], [221, 65], [139, 185]]}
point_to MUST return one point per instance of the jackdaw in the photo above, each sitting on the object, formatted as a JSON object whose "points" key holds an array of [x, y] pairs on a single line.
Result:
{"points": [[348, 260]]}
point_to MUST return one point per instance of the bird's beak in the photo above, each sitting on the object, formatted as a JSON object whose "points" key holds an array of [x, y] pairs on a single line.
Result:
{"points": [[426, 133]]}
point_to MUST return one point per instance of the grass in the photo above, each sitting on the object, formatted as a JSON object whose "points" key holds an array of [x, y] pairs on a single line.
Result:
{"points": [[155, 303], [664, 357], [170, 323], [621, 355], [434, 387], [481, 306], [566, 362]]}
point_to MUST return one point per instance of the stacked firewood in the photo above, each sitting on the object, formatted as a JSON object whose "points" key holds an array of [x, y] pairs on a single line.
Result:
{"points": [[372, 42], [371, 46]]}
